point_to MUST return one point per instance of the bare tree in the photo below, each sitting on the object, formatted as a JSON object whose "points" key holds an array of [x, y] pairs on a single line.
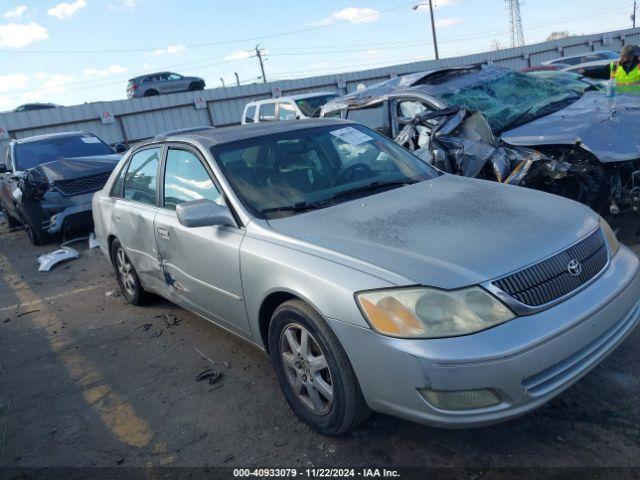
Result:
{"points": [[558, 35], [495, 44]]}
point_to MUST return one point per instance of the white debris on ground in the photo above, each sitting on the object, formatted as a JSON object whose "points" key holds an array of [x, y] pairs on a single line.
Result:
{"points": [[93, 243], [48, 260]]}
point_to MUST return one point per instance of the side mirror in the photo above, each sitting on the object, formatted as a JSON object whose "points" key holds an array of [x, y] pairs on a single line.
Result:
{"points": [[120, 147], [204, 213]]}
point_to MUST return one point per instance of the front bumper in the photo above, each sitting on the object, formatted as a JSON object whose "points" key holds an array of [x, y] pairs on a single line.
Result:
{"points": [[527, 361], [76, 216]]}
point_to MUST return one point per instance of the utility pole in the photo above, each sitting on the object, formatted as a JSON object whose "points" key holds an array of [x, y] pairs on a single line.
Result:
{"points": [[516, 32], [433, 26], [237, 78], [259, 55], [633, 15]]}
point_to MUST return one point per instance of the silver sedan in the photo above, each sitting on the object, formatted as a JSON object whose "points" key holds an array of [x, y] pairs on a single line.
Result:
{"points": [[372, 280]]}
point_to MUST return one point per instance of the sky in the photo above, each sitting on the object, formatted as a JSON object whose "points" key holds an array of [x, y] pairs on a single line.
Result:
{"points": [[80, 51]]}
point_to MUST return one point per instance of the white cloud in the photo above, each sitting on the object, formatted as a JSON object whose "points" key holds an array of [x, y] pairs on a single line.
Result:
{"points": [[448, 22], [239, 55], [64, 11], [14, 81], [20, 35], [352, 15], [54, 82], [170, 50], [124, 5], [15, 12], [104, 72]]}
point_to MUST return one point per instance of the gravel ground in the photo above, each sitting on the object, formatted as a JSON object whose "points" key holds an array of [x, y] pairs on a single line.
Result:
{"points": [[87, 380]]}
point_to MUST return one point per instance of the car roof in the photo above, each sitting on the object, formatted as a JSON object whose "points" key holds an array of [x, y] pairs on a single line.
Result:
{"points": [[235, 133], [427, 82], [49, 136], [299, 96], [148, 75]]}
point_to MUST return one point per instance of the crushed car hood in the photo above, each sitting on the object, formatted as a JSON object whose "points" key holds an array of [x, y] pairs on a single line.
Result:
{"points": [[448, 232], [607, 127], [70, 168]]}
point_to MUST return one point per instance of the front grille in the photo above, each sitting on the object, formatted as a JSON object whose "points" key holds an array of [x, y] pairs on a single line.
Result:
{"points": [[550, 279], [78, 186]]}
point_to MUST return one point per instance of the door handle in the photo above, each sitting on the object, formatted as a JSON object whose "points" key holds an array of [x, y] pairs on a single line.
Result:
{"points": [[164, 233]]}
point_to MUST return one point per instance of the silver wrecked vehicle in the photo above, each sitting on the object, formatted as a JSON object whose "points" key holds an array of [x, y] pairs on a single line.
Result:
{"points": [[373, 280]]}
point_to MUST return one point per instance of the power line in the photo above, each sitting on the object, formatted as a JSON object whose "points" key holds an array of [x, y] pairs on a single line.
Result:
{"points": [[212, 44]]}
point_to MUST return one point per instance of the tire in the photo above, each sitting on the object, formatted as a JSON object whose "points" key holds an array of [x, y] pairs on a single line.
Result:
{"points": [[150, 93], [332, 414], [11, 222], [126, 275], [195, 87]]}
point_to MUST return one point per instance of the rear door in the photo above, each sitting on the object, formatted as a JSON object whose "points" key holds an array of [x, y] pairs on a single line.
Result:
{"points": [[134, 211], [201, 265]]}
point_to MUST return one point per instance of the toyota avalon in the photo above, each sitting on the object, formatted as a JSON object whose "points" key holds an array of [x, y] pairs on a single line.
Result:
{"points": [[372, 280]]}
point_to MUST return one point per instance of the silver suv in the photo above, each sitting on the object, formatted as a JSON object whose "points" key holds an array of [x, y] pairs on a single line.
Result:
{"points": [[162, 82], [371, 279]]}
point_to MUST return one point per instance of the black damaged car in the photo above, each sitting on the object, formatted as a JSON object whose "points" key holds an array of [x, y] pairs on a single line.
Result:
{"points": [[494, 123], [47, 182]]}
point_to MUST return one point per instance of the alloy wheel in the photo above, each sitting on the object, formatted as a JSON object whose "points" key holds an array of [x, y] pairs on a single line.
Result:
{"points": [[306, 369], [125, 270]]}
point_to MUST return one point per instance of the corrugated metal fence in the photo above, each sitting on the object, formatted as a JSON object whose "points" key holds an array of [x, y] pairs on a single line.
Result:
{"points": [[133, 120]]}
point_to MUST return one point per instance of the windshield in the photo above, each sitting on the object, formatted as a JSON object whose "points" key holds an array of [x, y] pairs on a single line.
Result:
{"points": [[292, 172], [308, 106], [32, 154], [570, 80], [508, 98]]}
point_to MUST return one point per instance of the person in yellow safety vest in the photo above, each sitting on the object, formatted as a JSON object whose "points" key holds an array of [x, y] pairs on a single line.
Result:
{"points": [[626, 71]]}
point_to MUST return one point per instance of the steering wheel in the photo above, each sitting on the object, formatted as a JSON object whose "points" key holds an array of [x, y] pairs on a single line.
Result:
{"points": [[355, 172]]}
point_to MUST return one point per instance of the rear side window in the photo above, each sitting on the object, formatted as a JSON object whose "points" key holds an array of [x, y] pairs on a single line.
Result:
{"points": [[141, 180], [186, 179], [286, 111], [249, 114], [375, 117], [267, 112]]}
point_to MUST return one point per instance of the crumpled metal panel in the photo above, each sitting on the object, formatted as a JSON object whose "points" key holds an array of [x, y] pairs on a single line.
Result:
{"points": [[607, 127]]}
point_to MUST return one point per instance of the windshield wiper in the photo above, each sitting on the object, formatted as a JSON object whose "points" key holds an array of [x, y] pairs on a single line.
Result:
{"points": [[297, 207], [377, 185], [307, 206]]}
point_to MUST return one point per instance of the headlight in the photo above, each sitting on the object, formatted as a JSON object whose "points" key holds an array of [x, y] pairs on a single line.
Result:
{"points": [[430, 313], [610, 236]]}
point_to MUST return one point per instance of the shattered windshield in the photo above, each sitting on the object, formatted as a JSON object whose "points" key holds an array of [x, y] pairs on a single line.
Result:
{"points": [[508, 99]]}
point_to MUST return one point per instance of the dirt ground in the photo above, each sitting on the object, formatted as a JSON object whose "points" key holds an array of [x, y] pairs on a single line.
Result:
{"points": [[87, 380]]}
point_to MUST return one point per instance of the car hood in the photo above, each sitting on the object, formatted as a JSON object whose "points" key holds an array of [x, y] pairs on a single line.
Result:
{"points": [[71, 168], [448, 232], [607, 127]]}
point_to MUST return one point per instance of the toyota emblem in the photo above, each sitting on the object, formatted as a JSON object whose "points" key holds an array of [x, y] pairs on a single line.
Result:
{"points": [[574, 267]]}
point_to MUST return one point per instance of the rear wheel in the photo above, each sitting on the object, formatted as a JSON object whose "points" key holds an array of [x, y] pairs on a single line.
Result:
{"points": [[128, 280], [314, 371], [11, 222], [150, 93]]}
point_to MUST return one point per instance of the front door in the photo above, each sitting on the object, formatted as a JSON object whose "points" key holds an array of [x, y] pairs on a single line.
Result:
{"points": [[201, 265]]}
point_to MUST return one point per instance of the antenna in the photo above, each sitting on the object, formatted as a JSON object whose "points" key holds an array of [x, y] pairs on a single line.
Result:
{"points": [[515, 31]]}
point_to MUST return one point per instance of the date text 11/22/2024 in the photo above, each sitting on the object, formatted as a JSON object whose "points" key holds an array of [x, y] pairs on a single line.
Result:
{"points": [[316, 473]]}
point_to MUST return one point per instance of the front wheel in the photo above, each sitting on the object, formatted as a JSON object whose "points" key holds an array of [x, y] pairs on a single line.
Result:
{"points": [[314, 371], [128, 280]]}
